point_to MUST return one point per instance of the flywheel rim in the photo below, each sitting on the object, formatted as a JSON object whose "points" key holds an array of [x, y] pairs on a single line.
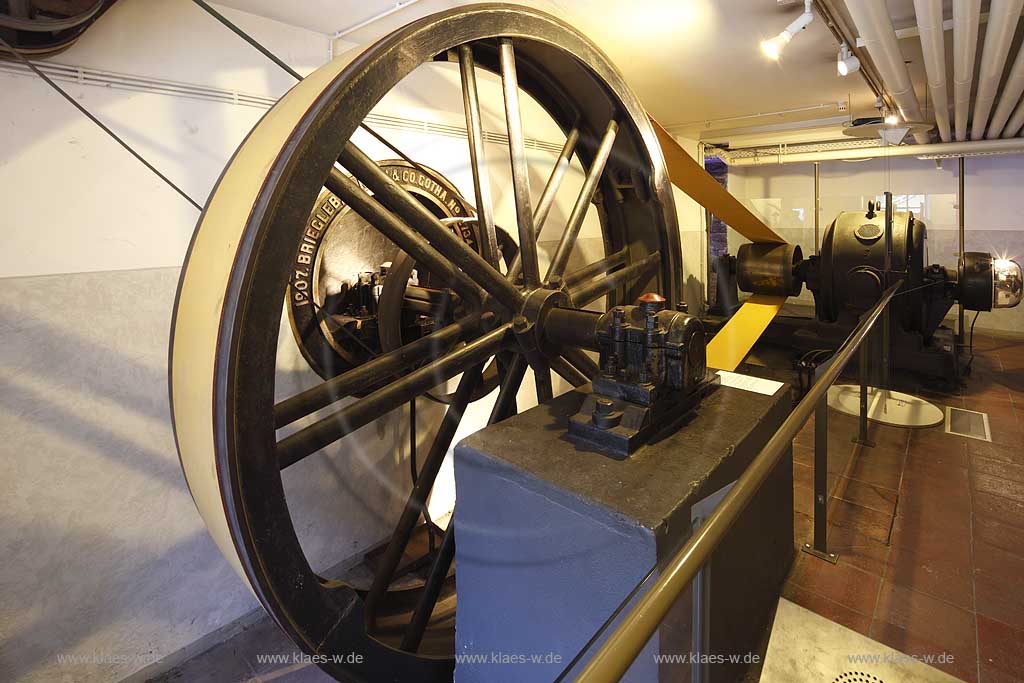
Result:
{"points": [[251, 523]]}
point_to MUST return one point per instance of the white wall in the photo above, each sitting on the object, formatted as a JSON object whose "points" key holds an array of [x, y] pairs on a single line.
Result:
{"points": [[105, 558], [783, 195], [77, 202]]}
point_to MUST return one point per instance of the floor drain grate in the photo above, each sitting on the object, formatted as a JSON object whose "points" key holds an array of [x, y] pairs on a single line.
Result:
{"points": [[856, 677], [969, 423]]}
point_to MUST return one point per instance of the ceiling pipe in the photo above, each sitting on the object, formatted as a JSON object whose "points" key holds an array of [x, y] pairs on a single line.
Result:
{"points": [[1003, 146], [1016, 121], [966, 20], [1008, 100], [879, 35], [1002, 24], [933, 46]]}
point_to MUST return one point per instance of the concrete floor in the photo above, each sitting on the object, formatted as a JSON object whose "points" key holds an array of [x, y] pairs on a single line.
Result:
{"points": [[244, 659]]}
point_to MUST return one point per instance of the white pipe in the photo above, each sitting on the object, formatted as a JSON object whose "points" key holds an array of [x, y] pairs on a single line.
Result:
{"points": [[1008, 100], [933, 46], [1015, 123], [1003, 146], [966, 18], [402, 4], [1002, 24], [913, 32], [875, 27]]}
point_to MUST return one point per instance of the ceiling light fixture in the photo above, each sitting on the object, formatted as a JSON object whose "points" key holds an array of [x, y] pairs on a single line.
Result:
{"points": [[847, 62], [891, 118], [772, 48]]}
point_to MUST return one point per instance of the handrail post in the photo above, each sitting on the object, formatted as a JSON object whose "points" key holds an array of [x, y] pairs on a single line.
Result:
{"points": [[960, 249], [886, 321], [862, 375], [819, 548]]}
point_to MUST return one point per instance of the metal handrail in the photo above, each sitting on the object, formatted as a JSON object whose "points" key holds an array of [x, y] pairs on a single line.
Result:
{"points": [[624, 644]]}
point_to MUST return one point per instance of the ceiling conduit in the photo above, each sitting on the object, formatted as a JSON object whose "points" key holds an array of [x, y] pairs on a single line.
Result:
{"points": [[966, 20], [879, 35], [1016, 122], [1011, 95], [981, 147], [929, 26], [1002, 24]]}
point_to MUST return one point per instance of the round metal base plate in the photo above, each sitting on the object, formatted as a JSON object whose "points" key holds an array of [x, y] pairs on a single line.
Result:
{"points": [[886, 407]]}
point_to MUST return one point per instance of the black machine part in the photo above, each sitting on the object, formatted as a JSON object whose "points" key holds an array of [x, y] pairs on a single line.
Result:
{"points": [[849, 273], [767, 268], [727, 299], [987, 282], [653, 371]]}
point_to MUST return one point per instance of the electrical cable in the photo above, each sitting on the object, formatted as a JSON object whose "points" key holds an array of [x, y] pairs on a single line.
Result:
{"points": [[103, 127], [970, 360]]}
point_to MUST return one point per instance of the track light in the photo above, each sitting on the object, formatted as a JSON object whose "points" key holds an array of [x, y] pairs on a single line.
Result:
{"points": [[772, 48], [847, 62]]}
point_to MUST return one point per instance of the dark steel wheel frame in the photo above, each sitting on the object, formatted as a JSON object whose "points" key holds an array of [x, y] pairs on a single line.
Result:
{"points": [[577, 86]]}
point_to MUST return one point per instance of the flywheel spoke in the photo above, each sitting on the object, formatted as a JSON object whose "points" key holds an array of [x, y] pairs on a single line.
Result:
{"points": [[416, 503], [335, 426], [520, 168], [505, 404], [431, 590], [579, 210], [477, 157], [592, 291], [408, 240], [602, 267], [567, 371], [547, 199], [581, 361], [359, 379], [542, 380], [398, 199]]}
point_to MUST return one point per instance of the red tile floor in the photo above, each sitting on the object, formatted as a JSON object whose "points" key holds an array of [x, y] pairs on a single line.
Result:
{"points": [[929, 528]]}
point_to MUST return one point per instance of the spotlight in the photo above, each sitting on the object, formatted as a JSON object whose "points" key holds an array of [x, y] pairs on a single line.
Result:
{"points": [[772, 48], [891, 118], [847, 62]]}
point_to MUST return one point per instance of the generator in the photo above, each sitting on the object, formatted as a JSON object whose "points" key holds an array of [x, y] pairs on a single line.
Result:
{"points": [[852, 269]]}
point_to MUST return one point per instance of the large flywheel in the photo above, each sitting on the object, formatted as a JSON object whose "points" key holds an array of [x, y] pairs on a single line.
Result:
{"points": [[241, 421]]}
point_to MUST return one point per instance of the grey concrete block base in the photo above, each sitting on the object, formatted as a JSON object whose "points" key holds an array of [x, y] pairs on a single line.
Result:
{"points": [[551, 537]]}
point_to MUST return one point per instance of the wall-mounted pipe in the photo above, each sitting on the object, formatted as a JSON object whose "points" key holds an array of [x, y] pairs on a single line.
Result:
{"points": [[1002, 146], [933, 47], [1002, 24], [966, 19], [879, 35]]}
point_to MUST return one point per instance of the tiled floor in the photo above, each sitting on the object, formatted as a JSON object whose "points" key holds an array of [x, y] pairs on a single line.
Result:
{"points": [[929, 528]]}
